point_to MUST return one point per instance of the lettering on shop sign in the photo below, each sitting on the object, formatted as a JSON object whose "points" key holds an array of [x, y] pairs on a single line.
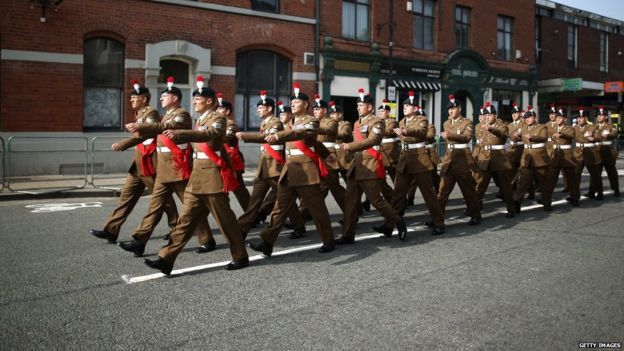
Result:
{"points": [[464, 73]]}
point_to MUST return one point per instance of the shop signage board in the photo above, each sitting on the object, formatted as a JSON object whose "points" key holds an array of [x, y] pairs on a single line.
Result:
{"points": [[572, 84]]}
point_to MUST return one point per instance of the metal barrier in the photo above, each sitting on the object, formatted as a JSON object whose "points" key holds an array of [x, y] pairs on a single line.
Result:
{"points": [[2, 164], [113, 167], [33, 153]]}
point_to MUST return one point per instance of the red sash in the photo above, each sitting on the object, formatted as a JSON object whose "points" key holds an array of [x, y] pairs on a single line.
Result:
{"points": [[147, 164], [276, 155], [381, 172], [227, 175], [237, 162], [312, 155], [180, 158]]}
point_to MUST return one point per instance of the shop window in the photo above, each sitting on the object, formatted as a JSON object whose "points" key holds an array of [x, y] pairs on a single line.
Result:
{"points": [[265, 5], [355, 19], [180, 71], [424, 24], [604, 50], [258, 70], [103, 70], [462, 27], [572, 45], [505, 36]]}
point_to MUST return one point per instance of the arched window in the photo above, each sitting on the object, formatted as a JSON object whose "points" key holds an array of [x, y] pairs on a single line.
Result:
{"points": [[258, 70], [180, 71], [103, 83]]}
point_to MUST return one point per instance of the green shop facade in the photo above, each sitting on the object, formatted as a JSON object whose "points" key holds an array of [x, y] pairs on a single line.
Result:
{"points": [[464, 74]]}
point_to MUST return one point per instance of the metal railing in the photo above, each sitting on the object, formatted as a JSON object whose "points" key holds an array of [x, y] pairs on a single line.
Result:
{"points": [[68, 146], [101, 145]]}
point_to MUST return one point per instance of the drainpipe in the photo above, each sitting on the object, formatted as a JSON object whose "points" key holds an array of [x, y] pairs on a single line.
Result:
{"points": [[317, 38], [390, 47]]}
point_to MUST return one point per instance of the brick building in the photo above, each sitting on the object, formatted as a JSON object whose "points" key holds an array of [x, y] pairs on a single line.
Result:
{"points": [[578, 52], [476, 50]]}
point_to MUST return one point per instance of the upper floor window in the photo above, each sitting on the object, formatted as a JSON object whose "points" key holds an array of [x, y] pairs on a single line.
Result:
{"points": [[424, 23], [355, 19], [462, 27], [258, 70], [505, 37], [265, 5], [572, 45], [604, 50], [103, 71]]}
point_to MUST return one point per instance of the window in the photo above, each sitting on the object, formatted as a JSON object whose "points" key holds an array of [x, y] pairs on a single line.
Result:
{"points": [[103, 83], [462, 27], [355, 19], [265, 5], [258, 70], [538, 42], [505, 36], [572, 45], [424, 22], [180, 71], [604, 50]]}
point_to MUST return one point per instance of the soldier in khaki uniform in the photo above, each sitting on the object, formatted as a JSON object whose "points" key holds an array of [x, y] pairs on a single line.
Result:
{"points": [[174, 169], [516, 146], [344, 135], [142, 171], [493, 159], [415, 166], [551, 126], [587, 154], [231, 147], [534, 162], [366, 172], [390, 147], [300, 177], [457, 165], [432, 149], [562, 158], [608, 135], [270, 166], [207, 190]]}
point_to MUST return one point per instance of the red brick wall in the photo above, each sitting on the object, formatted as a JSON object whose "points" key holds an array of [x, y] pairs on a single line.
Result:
{"points": [[135, 23]]}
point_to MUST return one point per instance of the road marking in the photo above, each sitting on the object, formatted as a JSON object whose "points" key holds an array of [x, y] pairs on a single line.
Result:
{"points": [[450, 221], [59, 207]]}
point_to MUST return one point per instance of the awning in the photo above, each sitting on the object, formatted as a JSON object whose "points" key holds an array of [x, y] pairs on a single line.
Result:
{"points": [[417, 85]]}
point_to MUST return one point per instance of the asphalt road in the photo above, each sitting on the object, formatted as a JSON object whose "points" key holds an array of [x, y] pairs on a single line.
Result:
{"points": [[542, 281]]}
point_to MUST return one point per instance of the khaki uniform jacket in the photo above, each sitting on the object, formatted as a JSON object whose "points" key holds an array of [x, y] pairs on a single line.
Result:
{"points": [[551, 126], [561, 157], [178, 118], [587, 155], [230, 136], [607, 132], [300, 170], [515, 151], [328, 130], [145, 115], [268, 167], [206, 175], [414, 160], [364, 165], [460, 159], [432, 147], [345, 135], [391, 149], [477, 146], [534, 158], [493, 160]]}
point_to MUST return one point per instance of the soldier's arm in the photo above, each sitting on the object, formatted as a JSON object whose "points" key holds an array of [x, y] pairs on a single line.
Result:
{"points": [[320, 149], [230, 132], [345, 131], [465, 136], [127, 143], [541, 135], [612, 133], [328, 128], [253, 137], [567, 133], [390, 127], [308, 131], [179, 121], [431, 133], [500, 130], [374, 138], [215, 130], [418, 130]]}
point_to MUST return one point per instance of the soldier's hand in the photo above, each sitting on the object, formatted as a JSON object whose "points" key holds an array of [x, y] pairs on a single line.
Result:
{"points": [[345, 146], [271, 138], [239, 135], [331, 158], [527, 135], [132, 127], [398, 131], [169, 134], [116, 147]]}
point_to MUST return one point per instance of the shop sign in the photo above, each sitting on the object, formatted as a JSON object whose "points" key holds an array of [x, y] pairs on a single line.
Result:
{"points": [[509, 82], [352, 66], [414, 72], [464, 73], [613, 87], [391, 93], [393, 109], [572, 84]]}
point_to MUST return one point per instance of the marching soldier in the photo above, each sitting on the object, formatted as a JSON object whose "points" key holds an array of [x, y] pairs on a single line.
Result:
{"points": [[534, 162], [608, 134], [493, 159], [344, 135], [301, 176], [210, 181], [562, 158], [587, 154], [270, 166], [552, 126], [366, 172], [231, 147], [174, 170], [516, 146], [433, 153], [142, 171], [457, 165], [415, 165], [389, 146]]}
